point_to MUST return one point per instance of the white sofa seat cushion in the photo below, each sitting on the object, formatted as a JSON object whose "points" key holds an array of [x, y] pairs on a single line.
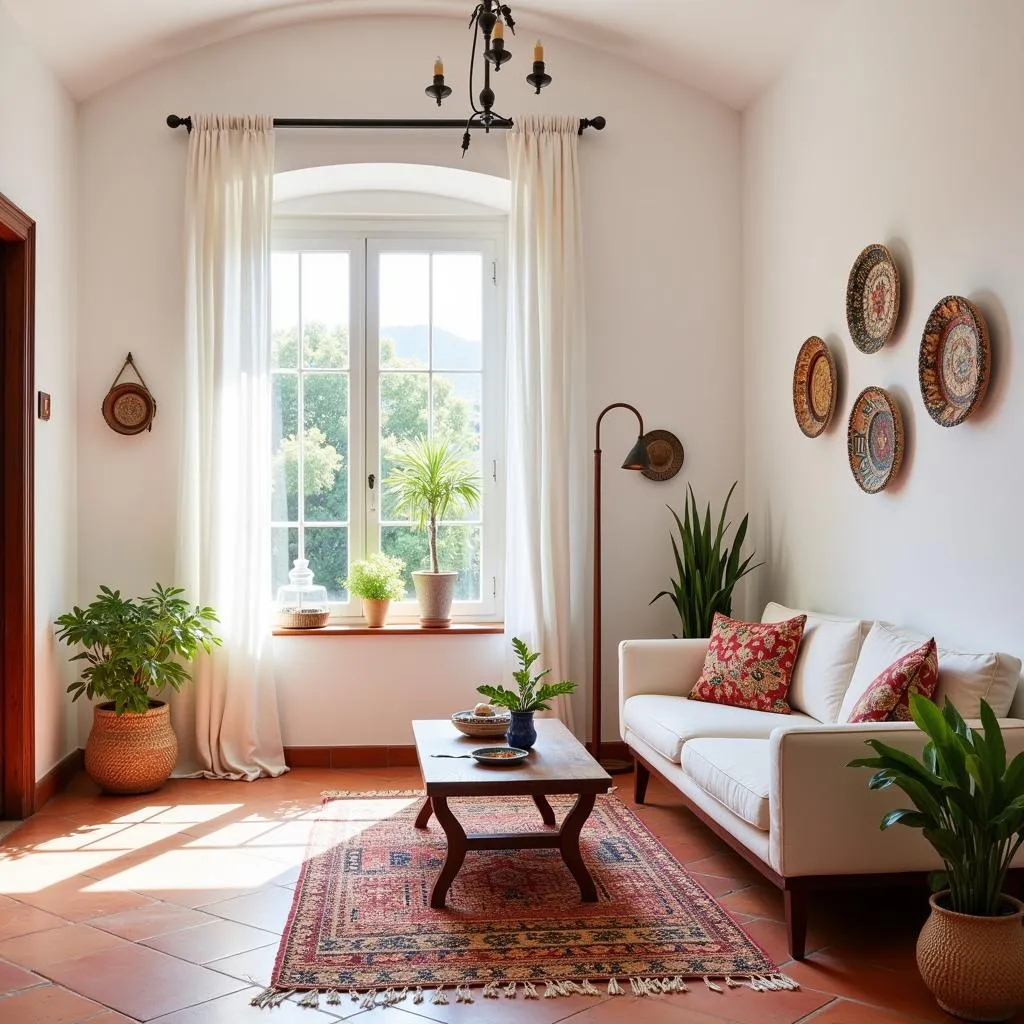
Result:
{"points": [[825, 661], [735, 773], [666, 723], [966, 679]]}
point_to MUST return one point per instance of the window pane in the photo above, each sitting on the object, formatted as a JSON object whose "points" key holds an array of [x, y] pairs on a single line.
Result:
{"points": [[284, 549], [327, 551], [410, 545], [404, 409], [461, 547], [284, 309], [404, 310], [284, 466], [325, 309], [326, 466], [457, 311]]}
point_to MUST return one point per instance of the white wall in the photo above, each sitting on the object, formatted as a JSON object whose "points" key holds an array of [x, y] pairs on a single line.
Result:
{"points": [[901, 124], [661, 202], [37, 173]]}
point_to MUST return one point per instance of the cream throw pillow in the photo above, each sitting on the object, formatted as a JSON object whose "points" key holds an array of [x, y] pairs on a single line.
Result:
{"points": [[824, 663]]}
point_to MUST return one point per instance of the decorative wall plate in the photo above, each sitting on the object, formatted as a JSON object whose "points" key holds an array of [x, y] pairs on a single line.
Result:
{"points": [[874, 439], [814, 386], [129, 408], [873, 298], [955, 360], [665, 453]]}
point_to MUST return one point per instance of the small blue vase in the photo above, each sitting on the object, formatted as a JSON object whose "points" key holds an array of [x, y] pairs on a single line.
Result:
{"points": [[521, 731]]}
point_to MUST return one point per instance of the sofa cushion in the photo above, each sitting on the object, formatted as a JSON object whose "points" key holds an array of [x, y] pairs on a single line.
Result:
{"points": [[666, 723], [749, 664], [825, 661], [965, 678], [735, 773], [887, 699]]}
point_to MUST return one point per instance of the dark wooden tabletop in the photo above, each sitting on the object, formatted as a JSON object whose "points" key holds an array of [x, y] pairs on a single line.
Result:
{"points": [[558, 763]]}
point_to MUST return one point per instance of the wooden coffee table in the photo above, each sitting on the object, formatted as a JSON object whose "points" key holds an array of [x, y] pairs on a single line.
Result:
{"points": [[557, 764]]}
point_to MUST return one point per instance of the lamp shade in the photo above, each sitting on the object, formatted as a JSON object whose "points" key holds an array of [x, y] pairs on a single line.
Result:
{"points": [[637, 457]]}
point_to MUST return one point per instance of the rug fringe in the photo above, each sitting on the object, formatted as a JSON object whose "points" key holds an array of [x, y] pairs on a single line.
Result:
{"points": [[639, 987]]}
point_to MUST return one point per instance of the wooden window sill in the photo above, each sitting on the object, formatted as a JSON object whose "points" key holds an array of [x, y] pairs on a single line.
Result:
{"points": [[396, 629]]}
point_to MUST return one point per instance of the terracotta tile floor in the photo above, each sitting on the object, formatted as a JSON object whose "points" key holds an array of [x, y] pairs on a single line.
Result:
{"points": [[168, 907]]}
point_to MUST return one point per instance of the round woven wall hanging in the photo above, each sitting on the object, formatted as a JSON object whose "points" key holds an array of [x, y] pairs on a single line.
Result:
{"points": [[873, 298], [665, 454], [129, 407], [955, 360], [814, 386], [874, 440]]}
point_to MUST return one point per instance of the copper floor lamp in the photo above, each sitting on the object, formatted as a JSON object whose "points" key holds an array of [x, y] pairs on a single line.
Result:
{"points": [[637, 459]]}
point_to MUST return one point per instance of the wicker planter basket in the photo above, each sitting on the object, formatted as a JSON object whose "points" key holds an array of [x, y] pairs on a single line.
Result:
{"points": [[974, 966], [132, 752]]}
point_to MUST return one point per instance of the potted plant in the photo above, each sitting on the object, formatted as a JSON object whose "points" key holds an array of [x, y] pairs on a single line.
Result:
{"points": [[378, 580], [432, 480], [134, 647], [970, 807], [527, 698], [708, 569]]}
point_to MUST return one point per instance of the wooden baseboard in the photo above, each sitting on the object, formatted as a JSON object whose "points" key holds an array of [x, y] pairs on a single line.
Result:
{"points": [[59, 776], [403, 756]]}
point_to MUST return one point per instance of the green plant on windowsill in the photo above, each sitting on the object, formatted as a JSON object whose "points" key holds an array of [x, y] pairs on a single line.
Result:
{"points": [[377, 578], [707, 568], [527, 696]]}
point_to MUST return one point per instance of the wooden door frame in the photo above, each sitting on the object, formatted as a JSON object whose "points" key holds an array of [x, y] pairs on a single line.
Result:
{"points": [[17, 571]]}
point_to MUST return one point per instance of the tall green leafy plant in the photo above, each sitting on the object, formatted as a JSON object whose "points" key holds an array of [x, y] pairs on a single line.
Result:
{"points": [[527, 696], [134, 647], [707, 568], [969, 802], [432, 479]]}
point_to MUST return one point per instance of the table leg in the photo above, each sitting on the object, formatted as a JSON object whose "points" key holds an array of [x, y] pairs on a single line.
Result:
{"points": [[569, 845], [457, 847], [544, 807], [424, 816]]}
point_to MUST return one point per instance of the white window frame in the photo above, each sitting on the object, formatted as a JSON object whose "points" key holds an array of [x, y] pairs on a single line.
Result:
{"points": [[364, 240]]}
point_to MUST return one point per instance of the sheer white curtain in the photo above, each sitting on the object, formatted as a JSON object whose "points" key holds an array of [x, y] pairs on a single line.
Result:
{"points": [[545, 591], [224, 517]]}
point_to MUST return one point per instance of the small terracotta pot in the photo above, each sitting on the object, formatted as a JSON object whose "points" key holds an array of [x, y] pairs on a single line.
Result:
{"points": [[133, 752], [375, 611], [974, 966]]}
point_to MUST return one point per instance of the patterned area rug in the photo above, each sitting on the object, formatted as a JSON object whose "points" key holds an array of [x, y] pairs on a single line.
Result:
{"points": [[361, 919]]}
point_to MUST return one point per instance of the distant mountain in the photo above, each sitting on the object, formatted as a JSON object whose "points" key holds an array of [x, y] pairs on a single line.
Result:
{"points": [[450, 351]]}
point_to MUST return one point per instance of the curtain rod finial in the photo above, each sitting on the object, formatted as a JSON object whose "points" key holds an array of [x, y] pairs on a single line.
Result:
{"points": [[174, 121]]}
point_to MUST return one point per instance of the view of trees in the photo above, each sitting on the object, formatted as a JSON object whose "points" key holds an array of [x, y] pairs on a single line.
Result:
{"points": [[404, 413]]}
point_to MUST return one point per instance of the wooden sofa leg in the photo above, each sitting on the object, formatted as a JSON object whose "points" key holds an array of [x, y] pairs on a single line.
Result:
{"points": [[796, 921], [641, 776]]}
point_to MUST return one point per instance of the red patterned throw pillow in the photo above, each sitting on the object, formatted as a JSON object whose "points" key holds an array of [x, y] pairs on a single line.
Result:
{"points": [[887, 699], [750, 664]]}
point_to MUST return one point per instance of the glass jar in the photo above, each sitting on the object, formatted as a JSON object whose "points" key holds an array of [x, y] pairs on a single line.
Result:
{"points": [[301, 603]]}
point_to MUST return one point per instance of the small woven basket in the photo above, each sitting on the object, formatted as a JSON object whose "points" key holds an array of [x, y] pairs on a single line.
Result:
{"points": [[481, 725], [312, 619]]}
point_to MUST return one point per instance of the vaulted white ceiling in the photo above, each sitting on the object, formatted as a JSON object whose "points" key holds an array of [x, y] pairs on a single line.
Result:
{"points": [[731, 49]]}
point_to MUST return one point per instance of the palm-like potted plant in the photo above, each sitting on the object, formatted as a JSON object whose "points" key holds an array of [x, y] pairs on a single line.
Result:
{"points": [[708, 569], [969, 804], [134, 648], [377, 580], [432, 480], [526, 698]]}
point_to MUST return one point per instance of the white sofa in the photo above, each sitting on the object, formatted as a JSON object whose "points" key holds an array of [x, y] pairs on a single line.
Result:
{"points": [[776, 787]]}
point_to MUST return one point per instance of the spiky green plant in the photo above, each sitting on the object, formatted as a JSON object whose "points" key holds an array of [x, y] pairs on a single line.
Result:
{"points": [[707, 568], [431, 478], [135, 646], [527, 696], [970, 803]]}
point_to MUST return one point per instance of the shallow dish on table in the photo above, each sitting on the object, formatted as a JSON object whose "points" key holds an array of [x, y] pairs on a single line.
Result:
{"points": [[501, 756], [481, 725]]}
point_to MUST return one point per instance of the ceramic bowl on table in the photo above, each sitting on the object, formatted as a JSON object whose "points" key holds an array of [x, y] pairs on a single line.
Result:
{"points": [[500, 757], [471, 724]]}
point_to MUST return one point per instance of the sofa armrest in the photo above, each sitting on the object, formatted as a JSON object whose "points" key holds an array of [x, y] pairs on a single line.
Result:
{"points": [[825, 820], [659, 666]]}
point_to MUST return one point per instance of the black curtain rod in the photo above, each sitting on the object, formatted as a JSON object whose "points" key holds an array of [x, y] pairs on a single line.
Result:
{"points": [[597, 123]]}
